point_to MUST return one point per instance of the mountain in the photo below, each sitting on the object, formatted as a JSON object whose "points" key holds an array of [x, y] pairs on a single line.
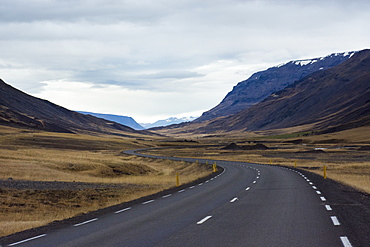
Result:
{"points": [[168, 121], [128, 121], [262, 84], [22, 110], [337, 98]]}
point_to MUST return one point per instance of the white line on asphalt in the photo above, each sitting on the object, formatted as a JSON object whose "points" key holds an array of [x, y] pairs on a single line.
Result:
{"points": [[148, 202], [200, 184], [207, 181], [204, 220], [181, 191], [191, 187], [318, 192], [28, 239], [166, 195], [254, 182], [345, 241], [235, 199], [310, 183], [85, 222], [328, 207], [322, 198], [120, 211], [248, 188], [314, 187], [335, 220], [258, 177]]}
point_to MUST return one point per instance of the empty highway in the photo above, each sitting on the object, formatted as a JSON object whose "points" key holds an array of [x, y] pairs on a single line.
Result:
{"points": [[245, 205]]}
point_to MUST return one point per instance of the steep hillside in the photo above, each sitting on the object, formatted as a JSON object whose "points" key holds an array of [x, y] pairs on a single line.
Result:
{"points": [[335, 98], [261, 84], [20, 109]]}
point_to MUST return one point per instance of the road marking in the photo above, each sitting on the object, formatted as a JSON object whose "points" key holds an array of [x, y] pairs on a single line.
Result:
{"points": [[148, 202], [166, 195], [258, 177], [200, 184], [233, 200], [207, 181], [322, 198], [248, 188], [254, 182], [318, 192], [28, 239], [310, 183], [335, 220], [204, 220], [85, 222], [180, 191], [191, 187], [345, 241], [314, 187], [328, 207], [120, 211]]}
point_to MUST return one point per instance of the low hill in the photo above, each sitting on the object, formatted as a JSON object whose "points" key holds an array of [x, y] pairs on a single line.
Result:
{"points": [[22, 110]]}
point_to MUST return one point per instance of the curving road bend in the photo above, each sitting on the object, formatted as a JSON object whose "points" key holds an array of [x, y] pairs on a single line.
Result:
{"points": [[246, 205]]}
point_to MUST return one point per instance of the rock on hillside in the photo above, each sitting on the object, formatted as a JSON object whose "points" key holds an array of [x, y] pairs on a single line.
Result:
{"points": [[262, 84]]}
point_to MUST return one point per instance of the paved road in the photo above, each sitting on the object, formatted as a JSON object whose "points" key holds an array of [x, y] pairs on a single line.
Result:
{"points": [[246, 205]]}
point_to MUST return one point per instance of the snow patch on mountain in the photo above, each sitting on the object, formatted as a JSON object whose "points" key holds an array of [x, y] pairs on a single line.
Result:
{"points": [[168, 121]]}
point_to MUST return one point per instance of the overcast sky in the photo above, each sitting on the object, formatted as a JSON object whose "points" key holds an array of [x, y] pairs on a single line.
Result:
{"points": [[156, 59]]}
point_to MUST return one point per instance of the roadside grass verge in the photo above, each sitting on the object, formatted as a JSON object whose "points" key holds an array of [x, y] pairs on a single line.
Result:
{"points": [[40, 156]]}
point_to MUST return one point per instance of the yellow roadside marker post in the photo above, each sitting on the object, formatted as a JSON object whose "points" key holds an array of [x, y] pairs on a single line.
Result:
{"points": [[214, 167], [295, 164], [177, 180]]}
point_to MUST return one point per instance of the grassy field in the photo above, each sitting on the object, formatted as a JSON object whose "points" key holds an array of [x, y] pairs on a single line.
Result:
{"points": [[40, 156]]}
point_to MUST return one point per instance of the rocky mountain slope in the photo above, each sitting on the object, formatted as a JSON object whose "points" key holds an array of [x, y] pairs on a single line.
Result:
{"points": [[337, 98], [261, 84], [22, 110]]}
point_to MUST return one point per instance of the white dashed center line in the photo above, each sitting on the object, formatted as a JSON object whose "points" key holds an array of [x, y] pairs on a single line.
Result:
{"points": [[148, 202], [235, 199], [166, 195], [322, 198], [345, 241], [328, 207], [85, 222], [248, 188], [335, 220], [120, 211], [28, 239], [204, 220]]}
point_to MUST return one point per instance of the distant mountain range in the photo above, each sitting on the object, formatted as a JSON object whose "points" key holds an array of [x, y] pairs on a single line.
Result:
{"points": [[327, 99], [19, 109], [168, 121], [128, 121], [262, 84]]}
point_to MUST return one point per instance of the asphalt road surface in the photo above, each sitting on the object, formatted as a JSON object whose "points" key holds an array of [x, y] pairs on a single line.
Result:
{"points": [[246, 205]]}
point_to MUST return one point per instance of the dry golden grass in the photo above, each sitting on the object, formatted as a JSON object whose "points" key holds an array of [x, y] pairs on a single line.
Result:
{"points": [[346, 165], [41, 156]]}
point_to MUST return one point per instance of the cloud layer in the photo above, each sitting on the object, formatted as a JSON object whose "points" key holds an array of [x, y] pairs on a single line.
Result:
{"points": [[154, 59]]}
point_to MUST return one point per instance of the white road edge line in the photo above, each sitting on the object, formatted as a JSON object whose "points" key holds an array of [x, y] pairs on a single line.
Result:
{"points": [[233, 200], [328, 207], [122, 210], [204, 220], [148, 202], [335, 220], [345, 241], [85, 222], [28, 239], [166, 195]]}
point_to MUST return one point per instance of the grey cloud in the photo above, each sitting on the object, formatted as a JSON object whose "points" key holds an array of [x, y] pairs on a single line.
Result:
{"points": [[171, 75]]}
